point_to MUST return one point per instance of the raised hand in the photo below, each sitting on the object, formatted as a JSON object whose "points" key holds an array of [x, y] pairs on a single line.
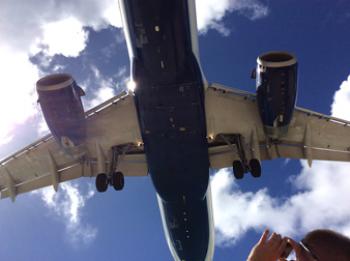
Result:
{"points": [[268, 249]]}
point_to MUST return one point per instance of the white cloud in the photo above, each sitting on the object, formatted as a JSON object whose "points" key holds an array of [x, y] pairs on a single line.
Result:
{"points": [[50, 27], [17, 100], [320, 200], [30, 18], [235, 212], [211, 12], [105, 92], [64, 37], [43, 129], [341, 101], [68, 203], [107, 86]]}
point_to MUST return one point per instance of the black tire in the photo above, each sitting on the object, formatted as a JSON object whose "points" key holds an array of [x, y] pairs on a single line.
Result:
{"points": [[238, 169], [101, 182], [117, 180], [255, 168]]}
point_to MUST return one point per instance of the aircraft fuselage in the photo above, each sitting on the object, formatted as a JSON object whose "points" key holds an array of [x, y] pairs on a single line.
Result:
{"points": [[169, 99]]}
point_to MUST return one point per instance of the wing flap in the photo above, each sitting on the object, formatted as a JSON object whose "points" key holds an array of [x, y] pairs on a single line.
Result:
{"points": [[318, 131], [300, 151], [72, 172], [134, 164], [32, 162]]}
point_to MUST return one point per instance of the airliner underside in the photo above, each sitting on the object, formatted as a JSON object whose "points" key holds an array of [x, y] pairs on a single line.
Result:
{"points": [[173, 126]]}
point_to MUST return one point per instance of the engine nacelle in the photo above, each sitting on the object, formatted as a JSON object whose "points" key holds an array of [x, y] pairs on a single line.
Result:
{"points": [[276, 83], [60, 101]]}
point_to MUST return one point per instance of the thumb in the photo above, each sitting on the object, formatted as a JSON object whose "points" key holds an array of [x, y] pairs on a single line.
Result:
{"points": [[264, 237]]}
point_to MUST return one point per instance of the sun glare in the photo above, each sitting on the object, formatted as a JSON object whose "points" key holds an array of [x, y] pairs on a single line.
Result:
{"points": [[131, 85]]}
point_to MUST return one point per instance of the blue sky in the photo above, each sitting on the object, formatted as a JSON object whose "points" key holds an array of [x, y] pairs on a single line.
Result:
{"points": [[84, 38]]}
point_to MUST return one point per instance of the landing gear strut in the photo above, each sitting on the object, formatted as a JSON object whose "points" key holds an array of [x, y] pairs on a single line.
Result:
{"points": [[113, 178], [242, 166]]}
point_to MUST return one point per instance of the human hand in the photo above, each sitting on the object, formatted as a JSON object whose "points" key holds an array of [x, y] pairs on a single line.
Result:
{"points": [[300, 252], [268, 249]]}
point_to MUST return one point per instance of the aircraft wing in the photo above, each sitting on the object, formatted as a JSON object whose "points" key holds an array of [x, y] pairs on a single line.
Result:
{"points": [[311, 135], [43, 163], [230, 113]]}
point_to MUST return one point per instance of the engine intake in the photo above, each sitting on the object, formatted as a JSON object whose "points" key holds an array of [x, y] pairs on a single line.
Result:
{"points": [[60, 101], [276, 83]]}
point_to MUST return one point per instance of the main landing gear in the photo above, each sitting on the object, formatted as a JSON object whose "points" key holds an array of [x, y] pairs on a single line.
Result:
{"points": [[113, 178], [242, 166], [239, 169], [255, 168], [116, 179]]}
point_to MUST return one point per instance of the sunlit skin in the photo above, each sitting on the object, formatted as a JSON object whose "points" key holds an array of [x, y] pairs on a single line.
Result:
{"points": [[314, 249], [300, 252], [271, 249], [268, 248]]}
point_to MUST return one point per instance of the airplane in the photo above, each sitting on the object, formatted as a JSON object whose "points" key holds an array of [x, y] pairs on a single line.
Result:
{"points": [[173, 125]]}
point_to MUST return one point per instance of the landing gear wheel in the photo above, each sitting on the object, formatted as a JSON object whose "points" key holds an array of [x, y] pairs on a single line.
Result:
{"points": [[255, 168], [238, 169], [117, 180], [101, 182]]}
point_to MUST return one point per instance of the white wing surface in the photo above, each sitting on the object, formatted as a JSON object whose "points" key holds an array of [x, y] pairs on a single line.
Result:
{"points": [[311, 135], [230, 112], [43, 163]]}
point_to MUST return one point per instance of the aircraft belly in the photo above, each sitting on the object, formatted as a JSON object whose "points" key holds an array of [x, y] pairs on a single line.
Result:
{"points": [[169, 98], [187, 228], [161, 39]]}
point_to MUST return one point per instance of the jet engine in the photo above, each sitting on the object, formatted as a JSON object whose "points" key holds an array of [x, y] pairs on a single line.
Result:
{"points": [[276, 84], [60, 101]]}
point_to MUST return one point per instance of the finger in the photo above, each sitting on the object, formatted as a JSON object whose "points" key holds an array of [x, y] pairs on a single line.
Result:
{"points": [[296, 247], [277, 236], [282, 246], [275, 240], [264, 237]]}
